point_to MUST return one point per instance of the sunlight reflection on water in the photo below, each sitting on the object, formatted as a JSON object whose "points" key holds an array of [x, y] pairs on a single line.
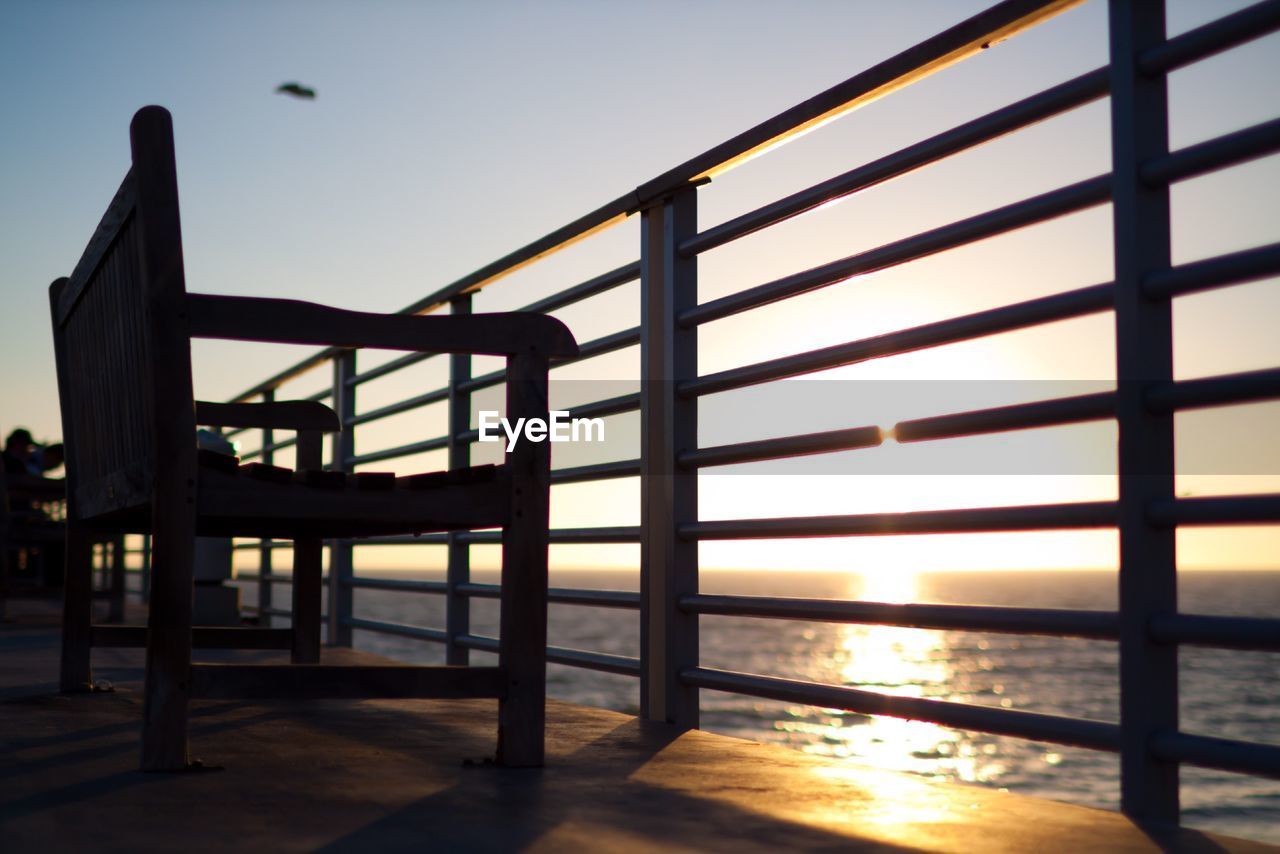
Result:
{"points": [[897, 661], [1006, 671]]}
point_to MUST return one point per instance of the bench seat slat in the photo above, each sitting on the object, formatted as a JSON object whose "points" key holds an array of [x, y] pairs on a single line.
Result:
{"points": [[343, 682], [243, 506]]}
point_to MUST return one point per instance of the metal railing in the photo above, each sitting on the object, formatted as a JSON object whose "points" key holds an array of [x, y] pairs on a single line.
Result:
{"points": [[1147, 626]]}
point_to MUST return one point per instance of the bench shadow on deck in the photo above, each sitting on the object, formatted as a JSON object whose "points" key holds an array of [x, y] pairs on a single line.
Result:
{"points": [[390, 775]]}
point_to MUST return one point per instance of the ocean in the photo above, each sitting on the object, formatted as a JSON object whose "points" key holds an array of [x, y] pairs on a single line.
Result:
{"points": [[1224, 693]]}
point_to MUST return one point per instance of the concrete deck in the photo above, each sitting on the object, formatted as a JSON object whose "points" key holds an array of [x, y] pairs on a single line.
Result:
{"points": [[390, 775]]}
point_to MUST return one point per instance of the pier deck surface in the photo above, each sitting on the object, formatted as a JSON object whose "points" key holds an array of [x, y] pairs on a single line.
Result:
{"points": [[390, 775]]}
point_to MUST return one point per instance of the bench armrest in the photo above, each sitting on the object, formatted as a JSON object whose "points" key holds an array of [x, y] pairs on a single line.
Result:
{"points": [[294, 322], [285, 415]]}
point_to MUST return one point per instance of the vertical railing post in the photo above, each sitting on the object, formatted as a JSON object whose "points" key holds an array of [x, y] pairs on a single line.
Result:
{"points": [[341, 565], [669, 496], [457, 606], [116, 575], [97, 561], [264, 546], [1144, 355], [145, 581]]}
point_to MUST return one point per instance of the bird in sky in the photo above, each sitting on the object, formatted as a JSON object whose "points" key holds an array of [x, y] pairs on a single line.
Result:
{"points": [[297, 90]]}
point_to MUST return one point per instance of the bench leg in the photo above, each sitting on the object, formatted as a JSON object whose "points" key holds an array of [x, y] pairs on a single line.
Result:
{"points": [[522, 649], [164, 723], [307, 560], [77, 611], [523, 646], [307, 570]]}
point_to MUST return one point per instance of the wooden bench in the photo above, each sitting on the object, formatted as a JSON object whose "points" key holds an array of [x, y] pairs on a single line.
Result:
{"points": [[123, 323]]}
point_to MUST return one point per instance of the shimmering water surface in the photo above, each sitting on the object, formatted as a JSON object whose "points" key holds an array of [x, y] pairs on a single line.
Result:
{"points": [[1223, 692]]}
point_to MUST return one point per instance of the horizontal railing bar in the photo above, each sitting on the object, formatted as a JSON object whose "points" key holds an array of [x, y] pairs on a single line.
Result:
{"points": [[1088, 514], [404, 585], [1246, 387], [434, 539], [274, 446], [605, 344], [596, 471], [601, 661], [267, 544], [1184, 394], [1056, 203], [988, 27], [1216, 510], [605, 282], [1255, 633], [626, 599], [1022, 416], [597, 347], [618, 534], [1226, 32], [416, 402], [584, 226], [1043, 105], [1007, 318], [1102, 625], [1233, 269], [1095, 735], [388, 367], [273, 577], [479, 591], [400, 451], [609, 406], [1243, 757], [613, 534], [482, 381], [561, 655], [562, 595], [787, 446], [1001, 21], [1230, 149], [480, 642], [382, 627], [276, 380]]}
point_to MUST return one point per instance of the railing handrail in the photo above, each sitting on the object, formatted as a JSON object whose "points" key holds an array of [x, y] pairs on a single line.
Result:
{"points": [[974, 34]]}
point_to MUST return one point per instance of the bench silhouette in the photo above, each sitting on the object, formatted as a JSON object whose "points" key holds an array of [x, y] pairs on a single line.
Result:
{"points": [[123, 323]]}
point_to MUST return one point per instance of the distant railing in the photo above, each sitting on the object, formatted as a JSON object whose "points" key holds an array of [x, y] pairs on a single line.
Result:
{"points": [[1147, 626]]}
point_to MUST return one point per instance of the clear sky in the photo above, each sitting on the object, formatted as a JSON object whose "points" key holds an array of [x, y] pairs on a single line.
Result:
{"points": [[446, 134]]}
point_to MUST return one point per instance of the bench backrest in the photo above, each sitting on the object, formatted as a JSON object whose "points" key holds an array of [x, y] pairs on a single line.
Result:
{"points": [[122, 342]]}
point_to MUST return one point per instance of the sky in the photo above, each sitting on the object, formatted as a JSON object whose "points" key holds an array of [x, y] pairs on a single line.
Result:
{"points": [[447, 134]]}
